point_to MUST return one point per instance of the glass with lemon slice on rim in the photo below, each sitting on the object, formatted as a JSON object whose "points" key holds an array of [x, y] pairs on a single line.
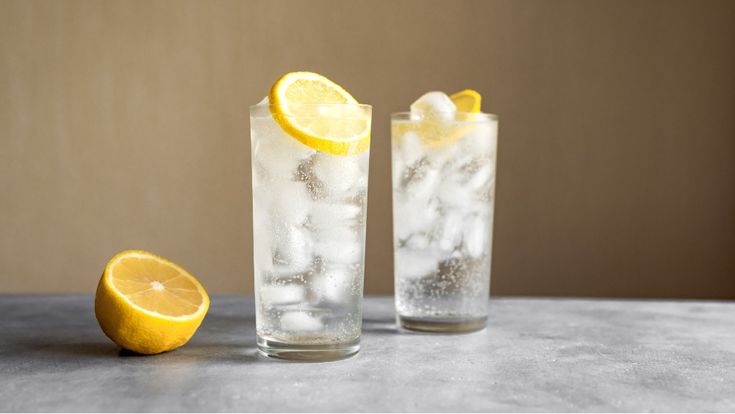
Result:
{"points": [[443, 162], [310, 151]]}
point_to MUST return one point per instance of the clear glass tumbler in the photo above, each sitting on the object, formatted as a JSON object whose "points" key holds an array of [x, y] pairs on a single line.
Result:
{"points": [[309, 214], [443, 192]]}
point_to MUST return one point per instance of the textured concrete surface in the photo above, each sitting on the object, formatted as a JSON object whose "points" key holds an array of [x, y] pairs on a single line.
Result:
{"points": [[536, 355]]}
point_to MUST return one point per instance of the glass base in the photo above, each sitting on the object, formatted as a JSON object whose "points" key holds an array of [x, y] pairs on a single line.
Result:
{"points": [[307, 352], [447, 325]]}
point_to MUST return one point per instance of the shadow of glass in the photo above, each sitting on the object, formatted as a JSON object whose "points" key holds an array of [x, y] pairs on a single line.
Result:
{"points": [[218, 352]]}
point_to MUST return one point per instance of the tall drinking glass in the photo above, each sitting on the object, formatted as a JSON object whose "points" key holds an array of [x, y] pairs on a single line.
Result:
{"points": [[443, 191], [309, 214]]}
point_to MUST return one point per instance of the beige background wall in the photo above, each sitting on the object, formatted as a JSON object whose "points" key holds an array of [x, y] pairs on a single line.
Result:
{"points": [[125, 125]]}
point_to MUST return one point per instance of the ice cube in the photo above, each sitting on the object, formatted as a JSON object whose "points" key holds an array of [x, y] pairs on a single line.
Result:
{"points": [[436, 105], [482, 139], [476, 207], [277, 153], [262, 251], [339, 173], [449, 234], [453, 192], [363, 160], [448, 155], [337, 244], [413, 264], [414, 216], [326, 214], [262, 257], [262, 231], [293, 249], [335, 284], [337, 252], [476, 236], [398, 170], [280, 294], [337, 234], [410, 148], [291, 202], [422, 184], [480, 179], [417, 241], [261, 199], [300, 321]]}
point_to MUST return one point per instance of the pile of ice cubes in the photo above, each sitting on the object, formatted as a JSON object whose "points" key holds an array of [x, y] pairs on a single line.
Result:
{"points": [[308, 213], [442, 192]]}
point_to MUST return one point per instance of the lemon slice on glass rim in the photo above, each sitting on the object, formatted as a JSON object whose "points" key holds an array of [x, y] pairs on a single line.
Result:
{"points": [[467, 100], [437, 134], [320, 114]]}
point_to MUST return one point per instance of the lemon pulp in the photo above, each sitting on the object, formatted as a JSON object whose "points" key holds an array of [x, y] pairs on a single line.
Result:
{"points": [[320, 114], [148, 304]]}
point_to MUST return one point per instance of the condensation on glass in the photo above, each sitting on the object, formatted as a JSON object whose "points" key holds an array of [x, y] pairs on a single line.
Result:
{"points": [[309, 215], [443, 198]]}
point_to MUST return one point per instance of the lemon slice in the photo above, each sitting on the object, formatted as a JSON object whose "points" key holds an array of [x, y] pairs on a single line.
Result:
{"points": [[340, 129], [467, 101], [433, 134], [148, 304], [438, 133]]}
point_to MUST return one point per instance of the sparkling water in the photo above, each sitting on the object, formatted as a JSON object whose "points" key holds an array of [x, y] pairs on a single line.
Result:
{"points": [[309, 210], [443, 191]]}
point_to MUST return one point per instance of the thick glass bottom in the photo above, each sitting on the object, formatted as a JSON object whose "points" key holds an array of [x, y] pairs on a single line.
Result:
{"points": [[447, 325], [307, 352]]}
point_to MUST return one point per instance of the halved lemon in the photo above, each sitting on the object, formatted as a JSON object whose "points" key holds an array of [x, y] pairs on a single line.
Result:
{"points": [[300, 104], [467, 100], [148, 304]]}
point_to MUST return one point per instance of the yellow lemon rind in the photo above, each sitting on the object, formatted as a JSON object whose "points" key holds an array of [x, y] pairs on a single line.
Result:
{"points": [[437, 134], [467, 95], [277, 101], [136, 328]]}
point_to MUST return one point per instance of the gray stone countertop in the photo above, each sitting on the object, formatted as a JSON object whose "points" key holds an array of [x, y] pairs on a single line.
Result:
{"points": [[535, 355]]}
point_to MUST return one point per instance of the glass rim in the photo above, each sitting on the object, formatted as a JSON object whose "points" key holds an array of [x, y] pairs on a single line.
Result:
{"points": [[312, 105], [312, 111], [478, 116]]}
